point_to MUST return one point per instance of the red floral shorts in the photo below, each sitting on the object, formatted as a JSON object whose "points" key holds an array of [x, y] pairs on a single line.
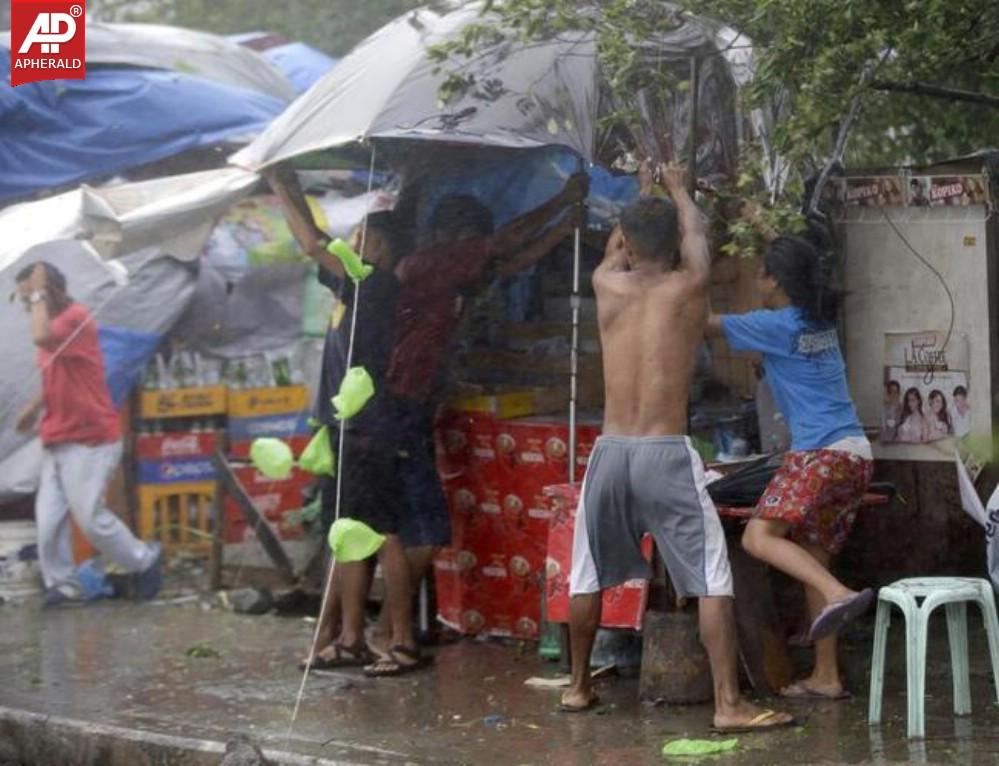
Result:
{"points": [[817, 492]]}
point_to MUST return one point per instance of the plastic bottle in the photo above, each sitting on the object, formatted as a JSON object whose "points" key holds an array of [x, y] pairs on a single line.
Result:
{"points": [[163, 374]]}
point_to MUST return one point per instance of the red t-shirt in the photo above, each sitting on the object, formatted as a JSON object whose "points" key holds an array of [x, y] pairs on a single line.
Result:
{"points": [[78, 405], [428, 310]]}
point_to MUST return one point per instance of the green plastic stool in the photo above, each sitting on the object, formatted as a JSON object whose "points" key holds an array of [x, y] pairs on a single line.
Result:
{"points": [[954, 593]]}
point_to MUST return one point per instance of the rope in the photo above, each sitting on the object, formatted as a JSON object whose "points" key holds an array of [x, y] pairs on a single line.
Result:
{"points": [[328, 586]]}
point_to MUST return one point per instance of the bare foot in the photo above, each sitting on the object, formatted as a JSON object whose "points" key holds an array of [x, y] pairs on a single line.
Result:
{"points": [[578, 700], [814, 689], [745, 716], [326, 647]]}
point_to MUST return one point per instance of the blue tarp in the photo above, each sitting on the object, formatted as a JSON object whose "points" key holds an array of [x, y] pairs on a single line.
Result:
{"points": [[301, 64], [60, 133], [514, 183], [126, 353]]}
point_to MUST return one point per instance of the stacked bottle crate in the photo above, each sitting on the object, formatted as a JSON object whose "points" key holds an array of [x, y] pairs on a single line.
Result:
{"points": [[180, 424], [266, 399]]}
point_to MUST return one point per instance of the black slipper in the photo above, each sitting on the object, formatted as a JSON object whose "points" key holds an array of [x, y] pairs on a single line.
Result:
{"points": [[343, 657]]}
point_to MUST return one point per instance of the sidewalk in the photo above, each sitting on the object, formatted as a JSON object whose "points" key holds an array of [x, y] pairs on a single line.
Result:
{"points": [[122, 673]]}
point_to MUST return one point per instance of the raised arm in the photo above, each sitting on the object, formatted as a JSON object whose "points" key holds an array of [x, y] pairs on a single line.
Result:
{"points": [[514, 234], [615, 256], [695, 257], [309, 236], [539, 247]]}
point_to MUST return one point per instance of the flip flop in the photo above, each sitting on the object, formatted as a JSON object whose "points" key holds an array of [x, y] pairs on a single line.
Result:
{"points": [[835, 616], [594, 701], [389, 666], [801, 691], [757, 724], [343, 657]]}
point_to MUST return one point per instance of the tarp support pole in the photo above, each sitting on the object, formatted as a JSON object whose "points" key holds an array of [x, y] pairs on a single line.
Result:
{"points": [[692, 130], [574, 354]]}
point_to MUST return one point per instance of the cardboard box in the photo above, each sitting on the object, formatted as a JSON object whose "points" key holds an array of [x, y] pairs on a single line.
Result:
{"points": [[183, 402], [623, 606], [260, 402]]}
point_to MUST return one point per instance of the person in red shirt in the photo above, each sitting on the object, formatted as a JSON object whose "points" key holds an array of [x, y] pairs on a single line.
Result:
{"points": [[81, 441], [464, 250]]}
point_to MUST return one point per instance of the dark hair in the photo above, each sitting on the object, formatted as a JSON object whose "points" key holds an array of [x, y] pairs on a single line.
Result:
{"points": [[961, 391], [944, 416], [387, 225], [802, 273], [895, 383], [650, 225], [54, 277], [905, 403], [462, 211]]}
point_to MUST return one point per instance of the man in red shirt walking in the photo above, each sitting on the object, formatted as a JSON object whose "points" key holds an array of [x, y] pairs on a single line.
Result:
{"points": [[81, 439]]}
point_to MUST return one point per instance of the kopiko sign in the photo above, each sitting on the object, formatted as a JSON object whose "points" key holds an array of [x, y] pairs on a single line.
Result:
{"points": [[47, 41]]}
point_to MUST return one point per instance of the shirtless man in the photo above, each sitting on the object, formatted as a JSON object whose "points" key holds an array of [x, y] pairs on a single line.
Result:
{"points": [[644, 475]]}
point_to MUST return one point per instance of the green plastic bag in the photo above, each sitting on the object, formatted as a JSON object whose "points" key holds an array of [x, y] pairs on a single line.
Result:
{"points": [[356, 389], [318, 458], [352, 540], [272, 457], [356, 269], [682, 748]]}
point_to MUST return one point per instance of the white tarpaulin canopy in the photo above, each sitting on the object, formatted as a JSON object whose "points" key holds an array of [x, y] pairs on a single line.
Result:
{"points": [[156, 46], [175, 213]]}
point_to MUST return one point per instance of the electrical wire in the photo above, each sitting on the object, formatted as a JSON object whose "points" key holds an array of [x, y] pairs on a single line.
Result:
{"points": [[936, 272]]}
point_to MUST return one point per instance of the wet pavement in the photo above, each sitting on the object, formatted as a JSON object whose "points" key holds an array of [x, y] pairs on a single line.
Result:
{"points": [[130, 666]]}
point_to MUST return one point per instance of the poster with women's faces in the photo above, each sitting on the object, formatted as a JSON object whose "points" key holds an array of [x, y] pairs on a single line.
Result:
{"points": [[926, 393]]}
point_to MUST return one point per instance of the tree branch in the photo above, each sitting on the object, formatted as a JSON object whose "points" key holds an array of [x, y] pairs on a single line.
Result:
{"points": [[866, 78], [937, 91]]}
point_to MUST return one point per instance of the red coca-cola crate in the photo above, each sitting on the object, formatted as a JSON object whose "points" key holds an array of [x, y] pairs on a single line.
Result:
{"points": [[239, 449], [156, 447], [254, 482], [623, 606], [276, 507]]}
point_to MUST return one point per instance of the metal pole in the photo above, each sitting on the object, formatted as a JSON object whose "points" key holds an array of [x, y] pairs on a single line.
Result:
{"points": [[574, 354], [692, 130]]}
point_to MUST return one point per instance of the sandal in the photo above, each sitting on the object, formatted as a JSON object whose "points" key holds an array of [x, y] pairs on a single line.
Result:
{"points": [[390, 664], [343, 657], [759, 723], [836, 615]]}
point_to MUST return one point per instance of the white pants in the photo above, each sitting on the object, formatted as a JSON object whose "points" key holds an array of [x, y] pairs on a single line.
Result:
{"points": [[74, 480]]}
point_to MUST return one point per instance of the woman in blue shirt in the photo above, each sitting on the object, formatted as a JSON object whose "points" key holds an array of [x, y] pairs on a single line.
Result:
{"points": [[806, 513]]}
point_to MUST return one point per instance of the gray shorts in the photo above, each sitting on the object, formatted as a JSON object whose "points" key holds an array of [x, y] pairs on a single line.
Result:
{"points": [[654, 485]]}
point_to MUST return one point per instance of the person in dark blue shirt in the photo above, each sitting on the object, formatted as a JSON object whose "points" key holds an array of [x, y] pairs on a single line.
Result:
{"points": [[367, 488]]}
